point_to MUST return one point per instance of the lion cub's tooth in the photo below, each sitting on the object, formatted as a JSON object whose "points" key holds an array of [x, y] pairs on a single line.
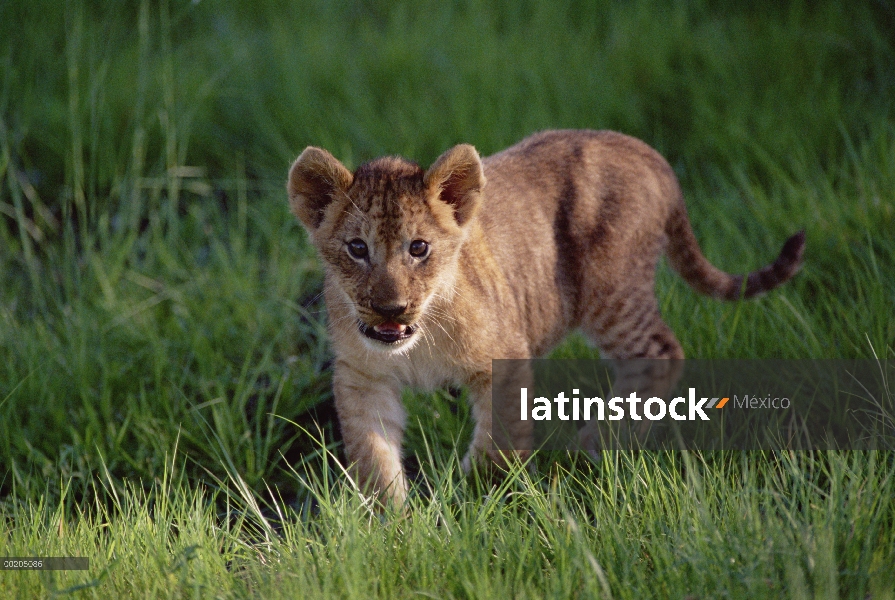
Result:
{"points": [[389, 327]]}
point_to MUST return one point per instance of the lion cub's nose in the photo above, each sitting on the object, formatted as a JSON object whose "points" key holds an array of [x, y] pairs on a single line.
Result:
{"points": [[390, 312]]}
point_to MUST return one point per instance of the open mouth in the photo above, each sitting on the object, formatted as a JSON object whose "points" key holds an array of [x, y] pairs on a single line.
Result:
{"points": [[388, 332]]}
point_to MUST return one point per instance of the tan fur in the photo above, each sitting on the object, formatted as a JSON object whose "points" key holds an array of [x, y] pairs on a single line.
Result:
{"points": [[566, 233]]}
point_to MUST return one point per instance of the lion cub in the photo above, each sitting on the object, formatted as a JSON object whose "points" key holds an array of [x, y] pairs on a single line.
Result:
{"points": [[432, 274]]}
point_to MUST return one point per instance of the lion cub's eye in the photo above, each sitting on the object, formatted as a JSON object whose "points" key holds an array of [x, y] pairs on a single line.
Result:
{"points": [[419, 248], [358, 248]]}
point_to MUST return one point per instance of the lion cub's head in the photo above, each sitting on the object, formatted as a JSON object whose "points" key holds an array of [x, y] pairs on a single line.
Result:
{"points": [[389, 234]]}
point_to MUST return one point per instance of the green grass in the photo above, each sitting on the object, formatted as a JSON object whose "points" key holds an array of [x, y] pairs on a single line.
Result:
{"points": [[163, 350], [630, 526]]}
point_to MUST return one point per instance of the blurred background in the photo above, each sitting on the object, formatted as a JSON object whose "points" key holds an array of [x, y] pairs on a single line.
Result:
{"points": [[156, 295], [243, 87]]}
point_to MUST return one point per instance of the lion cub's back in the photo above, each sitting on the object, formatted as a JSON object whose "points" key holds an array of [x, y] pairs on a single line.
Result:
{"points": [[559, 201]]}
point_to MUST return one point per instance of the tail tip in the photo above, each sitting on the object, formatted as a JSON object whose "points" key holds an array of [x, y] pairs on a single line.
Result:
{"points": [[793, 249]]}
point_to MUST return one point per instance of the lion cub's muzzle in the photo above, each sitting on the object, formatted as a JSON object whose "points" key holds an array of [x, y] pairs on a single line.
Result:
{"points": [[390, 330]]}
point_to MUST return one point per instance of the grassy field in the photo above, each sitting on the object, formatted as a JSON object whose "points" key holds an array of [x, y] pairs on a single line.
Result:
{"points": [[164, 368]]}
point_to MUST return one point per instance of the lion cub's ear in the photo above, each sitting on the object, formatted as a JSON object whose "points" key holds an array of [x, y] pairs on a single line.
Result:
{"points": [[315, 179], [458, 178]]}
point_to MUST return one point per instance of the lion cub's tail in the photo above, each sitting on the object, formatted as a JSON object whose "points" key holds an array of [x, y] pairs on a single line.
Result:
{"points": [[687, 259]]}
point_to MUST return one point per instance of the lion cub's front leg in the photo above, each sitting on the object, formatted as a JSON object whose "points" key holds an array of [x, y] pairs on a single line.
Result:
{"points": [[372, 421], [499, 435]]}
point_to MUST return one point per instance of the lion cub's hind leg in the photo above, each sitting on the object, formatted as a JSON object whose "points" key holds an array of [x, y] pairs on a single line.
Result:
{"points": [[646, 356], [627, 325]]}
